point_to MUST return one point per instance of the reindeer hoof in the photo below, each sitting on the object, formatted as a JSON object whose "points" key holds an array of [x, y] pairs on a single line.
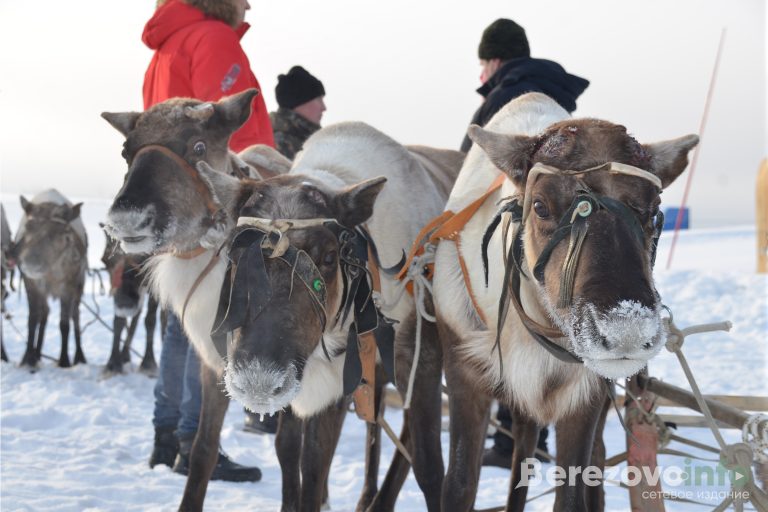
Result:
{"points": [[64, 362], [113, 368], [148, 367], [29, 361], [80, 358]]}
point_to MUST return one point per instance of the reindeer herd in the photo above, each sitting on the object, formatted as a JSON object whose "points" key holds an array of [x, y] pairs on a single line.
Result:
{"points": [[287, 277]]}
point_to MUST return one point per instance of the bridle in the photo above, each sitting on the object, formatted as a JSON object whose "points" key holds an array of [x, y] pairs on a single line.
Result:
{"points": [[246, 290], [574, 222]]}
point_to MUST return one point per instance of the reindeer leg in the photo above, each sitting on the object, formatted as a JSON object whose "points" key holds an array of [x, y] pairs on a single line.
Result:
{"points": [[596, 494], [43, 321], [321, 434], [125, 355], [425, 416], [205, 448], [148, 363], [469, 408], [30, 357], [575, 439], [66, 313], [398, 471], [115, 362], [288, 448], [525, 432], [422, 422], [79, 355], [373, 450]]}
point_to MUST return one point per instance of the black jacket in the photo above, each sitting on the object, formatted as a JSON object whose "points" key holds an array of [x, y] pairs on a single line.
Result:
{"points": [[525, 74]]}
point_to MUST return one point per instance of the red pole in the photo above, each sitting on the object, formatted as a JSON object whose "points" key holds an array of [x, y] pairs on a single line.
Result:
{"points": [[679, 218]]}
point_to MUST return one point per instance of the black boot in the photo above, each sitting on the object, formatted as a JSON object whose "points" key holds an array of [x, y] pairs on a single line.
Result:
{"points": [[225, 468], [166, 447], [253, 423]]}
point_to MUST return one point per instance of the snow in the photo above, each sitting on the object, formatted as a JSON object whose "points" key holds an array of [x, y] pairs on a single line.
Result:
{"points": [[74, 441]]}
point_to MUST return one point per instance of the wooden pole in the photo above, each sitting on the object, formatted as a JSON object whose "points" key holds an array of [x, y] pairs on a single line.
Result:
{"points": [[642, 446], [761, 224], [707, 103], [720, 411]]}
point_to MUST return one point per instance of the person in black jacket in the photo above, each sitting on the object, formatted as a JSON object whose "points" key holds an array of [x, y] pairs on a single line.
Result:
{"points": [[509, 71]]}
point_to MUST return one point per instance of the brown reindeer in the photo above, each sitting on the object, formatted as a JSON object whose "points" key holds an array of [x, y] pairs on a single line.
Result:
{"points": [[51, 253], [293, 341], [128, 291], [562, 296]]}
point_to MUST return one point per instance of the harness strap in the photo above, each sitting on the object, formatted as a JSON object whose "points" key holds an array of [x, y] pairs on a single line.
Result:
{"points": [[201, 186], [448, 226], [200, 278]]}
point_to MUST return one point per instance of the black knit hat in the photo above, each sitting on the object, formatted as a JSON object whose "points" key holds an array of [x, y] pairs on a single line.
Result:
{"points": [[297, 87], [503, 39]]}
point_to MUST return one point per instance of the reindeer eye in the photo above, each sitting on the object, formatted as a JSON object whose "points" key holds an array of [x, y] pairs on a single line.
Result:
{"points": [[329, 258], [199, 148], [541, 209], [318, 284]]}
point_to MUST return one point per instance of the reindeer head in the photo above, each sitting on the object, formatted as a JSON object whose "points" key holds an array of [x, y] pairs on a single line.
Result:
{"points": [[48, 238], [588, 237], [164, 203], [285, 287]]}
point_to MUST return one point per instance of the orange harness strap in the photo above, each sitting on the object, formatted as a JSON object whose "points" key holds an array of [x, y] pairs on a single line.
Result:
{"points": [[448, 226]]}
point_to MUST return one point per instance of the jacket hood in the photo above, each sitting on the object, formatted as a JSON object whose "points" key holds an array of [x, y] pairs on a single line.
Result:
{"points": [[173, 15], [549, 77]]}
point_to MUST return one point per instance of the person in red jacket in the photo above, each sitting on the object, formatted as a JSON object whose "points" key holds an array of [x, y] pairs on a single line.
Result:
{"points": [[197, 55]]}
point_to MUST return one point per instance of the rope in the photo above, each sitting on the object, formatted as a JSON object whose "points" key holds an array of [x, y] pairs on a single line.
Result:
{"points": [[396, 440], [756, 439], [421, 285]]}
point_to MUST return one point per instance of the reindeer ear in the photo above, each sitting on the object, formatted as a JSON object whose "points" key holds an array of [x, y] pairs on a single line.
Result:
{"points": [[265, 159], [670, 158], [25, 205], [124, 122], [74, 212], [507, 152], [354, 204], [223, 187], [233, 111]]}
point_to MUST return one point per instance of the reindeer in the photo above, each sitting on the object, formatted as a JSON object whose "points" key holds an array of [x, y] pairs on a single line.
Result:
{"points": [[51, 251], [293, 341], [5, 268], [128, 291], [155, 211], [169, 211], [541, 313]]}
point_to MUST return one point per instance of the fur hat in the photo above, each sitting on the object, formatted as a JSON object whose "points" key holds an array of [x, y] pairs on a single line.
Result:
{"points": [[503, 39], [297, 87], [223, 10]]}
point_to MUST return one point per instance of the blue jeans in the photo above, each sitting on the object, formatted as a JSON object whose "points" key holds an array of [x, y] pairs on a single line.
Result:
{"points": [[178, 394]]}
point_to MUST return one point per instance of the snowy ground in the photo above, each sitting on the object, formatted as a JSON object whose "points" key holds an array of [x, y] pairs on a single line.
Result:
{"points": [[73, 441]]}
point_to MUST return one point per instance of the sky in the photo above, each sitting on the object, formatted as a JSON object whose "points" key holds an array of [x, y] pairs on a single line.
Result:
{"points": [[409, 69], [74, 440]]}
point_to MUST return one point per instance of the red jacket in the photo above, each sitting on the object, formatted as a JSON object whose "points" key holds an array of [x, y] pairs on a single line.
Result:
{"points": [[197, 56]]}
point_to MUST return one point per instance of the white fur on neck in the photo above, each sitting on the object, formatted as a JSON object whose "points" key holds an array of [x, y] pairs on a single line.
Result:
{"points": [[172, 278]]}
